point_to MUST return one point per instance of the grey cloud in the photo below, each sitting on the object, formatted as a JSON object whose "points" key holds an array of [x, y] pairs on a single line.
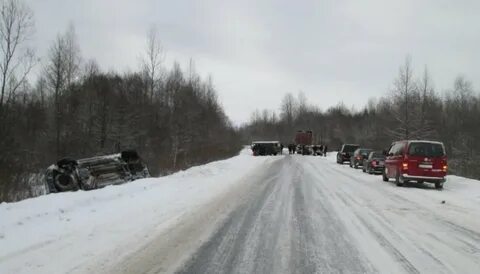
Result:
{"points": [[258, 50]]}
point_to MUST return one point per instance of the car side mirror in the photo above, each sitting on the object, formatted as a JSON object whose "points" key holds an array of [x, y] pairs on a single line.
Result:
{"points": [[390, 154]]}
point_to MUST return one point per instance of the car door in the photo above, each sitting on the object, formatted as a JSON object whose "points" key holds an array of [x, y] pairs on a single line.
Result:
{"points": [[340, 154], [389, 160], [393, 159], [368, 161], [354, 157]]}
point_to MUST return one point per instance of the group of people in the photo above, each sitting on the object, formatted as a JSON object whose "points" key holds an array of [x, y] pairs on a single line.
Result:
{"points": [[292, 148]]}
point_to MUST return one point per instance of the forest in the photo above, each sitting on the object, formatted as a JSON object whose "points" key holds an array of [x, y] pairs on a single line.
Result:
{"points": [[411, 110], [172, 117]]}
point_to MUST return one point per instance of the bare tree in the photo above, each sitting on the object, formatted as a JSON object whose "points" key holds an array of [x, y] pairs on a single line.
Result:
{"points": [[61, 69], [288, 109], [16, 27], [72, 56], [152, 61], [425, 88], [90, 68], [302, 104], [55, 72], [404, 86]]}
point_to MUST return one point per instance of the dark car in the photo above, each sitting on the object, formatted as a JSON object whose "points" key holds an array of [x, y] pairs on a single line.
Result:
{"points": [[358, 156], [263, 148], [345, 152], [420, 161], [374, 163]]}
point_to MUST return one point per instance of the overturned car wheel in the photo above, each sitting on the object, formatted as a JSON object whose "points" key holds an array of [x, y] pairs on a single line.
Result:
{"points": [[65, 182]]}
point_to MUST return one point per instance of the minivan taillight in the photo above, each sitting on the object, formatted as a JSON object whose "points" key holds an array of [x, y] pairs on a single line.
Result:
{"points": [[404, 166], [445, 168]]}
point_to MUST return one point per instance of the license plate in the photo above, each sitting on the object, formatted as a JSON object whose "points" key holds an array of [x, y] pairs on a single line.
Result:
{"points": [[429, 166]]}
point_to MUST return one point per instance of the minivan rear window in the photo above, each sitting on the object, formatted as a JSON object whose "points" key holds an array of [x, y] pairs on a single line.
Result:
{"points": [[426, 149]]}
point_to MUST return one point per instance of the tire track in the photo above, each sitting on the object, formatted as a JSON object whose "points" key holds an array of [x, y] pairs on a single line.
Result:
{"points": [[353, 194], [227, 244]]}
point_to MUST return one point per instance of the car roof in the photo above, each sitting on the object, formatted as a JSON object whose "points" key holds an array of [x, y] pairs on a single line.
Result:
{"points": [[419, 141]]}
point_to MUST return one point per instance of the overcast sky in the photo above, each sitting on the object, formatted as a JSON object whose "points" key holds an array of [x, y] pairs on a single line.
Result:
{"points": [[257, 51]]}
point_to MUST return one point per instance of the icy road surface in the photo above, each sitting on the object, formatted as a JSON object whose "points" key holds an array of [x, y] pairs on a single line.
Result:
{"points": [[283, 214]]}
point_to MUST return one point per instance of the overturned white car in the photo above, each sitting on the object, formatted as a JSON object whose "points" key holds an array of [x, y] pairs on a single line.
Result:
{"points": [[96, 172]]}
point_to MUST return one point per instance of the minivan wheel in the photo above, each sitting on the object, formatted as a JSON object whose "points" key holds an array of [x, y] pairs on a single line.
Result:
{"points": [[439, 185], [398, 182]]}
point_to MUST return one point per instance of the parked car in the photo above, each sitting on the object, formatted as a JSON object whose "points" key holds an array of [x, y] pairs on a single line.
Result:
{"points": [[262, 148], [374, 163], [359, 154], [420, 161], [346, 152]]}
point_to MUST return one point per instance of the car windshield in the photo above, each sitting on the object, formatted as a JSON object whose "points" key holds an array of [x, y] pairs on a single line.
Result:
{"points": [[426, 149], [378, 155], [365, 152], [349, 148]]}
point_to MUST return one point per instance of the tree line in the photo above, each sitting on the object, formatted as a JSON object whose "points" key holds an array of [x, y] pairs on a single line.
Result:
{"points": [[174, 119], [413, 109], [171, 116]]}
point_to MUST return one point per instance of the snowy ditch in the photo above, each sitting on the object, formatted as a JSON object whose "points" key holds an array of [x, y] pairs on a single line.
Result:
{"points": [[66, 232]]}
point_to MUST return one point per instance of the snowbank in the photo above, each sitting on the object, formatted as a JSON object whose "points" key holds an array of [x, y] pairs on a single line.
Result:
{"points": [[64, 232], [462, 188]]}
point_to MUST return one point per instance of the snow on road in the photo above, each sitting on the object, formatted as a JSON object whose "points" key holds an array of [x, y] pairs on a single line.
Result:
{"points": [[73, 232], [414, 229], [316, 216], [284, 214]]}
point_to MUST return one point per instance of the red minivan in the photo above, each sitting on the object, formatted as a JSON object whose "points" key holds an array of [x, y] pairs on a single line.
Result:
{"points": [[420, 161]]}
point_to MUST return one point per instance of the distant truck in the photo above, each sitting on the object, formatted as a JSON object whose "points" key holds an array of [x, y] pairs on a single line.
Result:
{"points": [[304, 141], [95, 172], [262, 148]]}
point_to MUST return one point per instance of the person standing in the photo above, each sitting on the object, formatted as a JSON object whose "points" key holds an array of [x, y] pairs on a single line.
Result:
{"points": [[325, 150]]}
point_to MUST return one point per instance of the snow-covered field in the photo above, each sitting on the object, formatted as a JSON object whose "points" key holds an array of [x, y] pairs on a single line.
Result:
{"points": [[259, 214], [70, 232]]}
